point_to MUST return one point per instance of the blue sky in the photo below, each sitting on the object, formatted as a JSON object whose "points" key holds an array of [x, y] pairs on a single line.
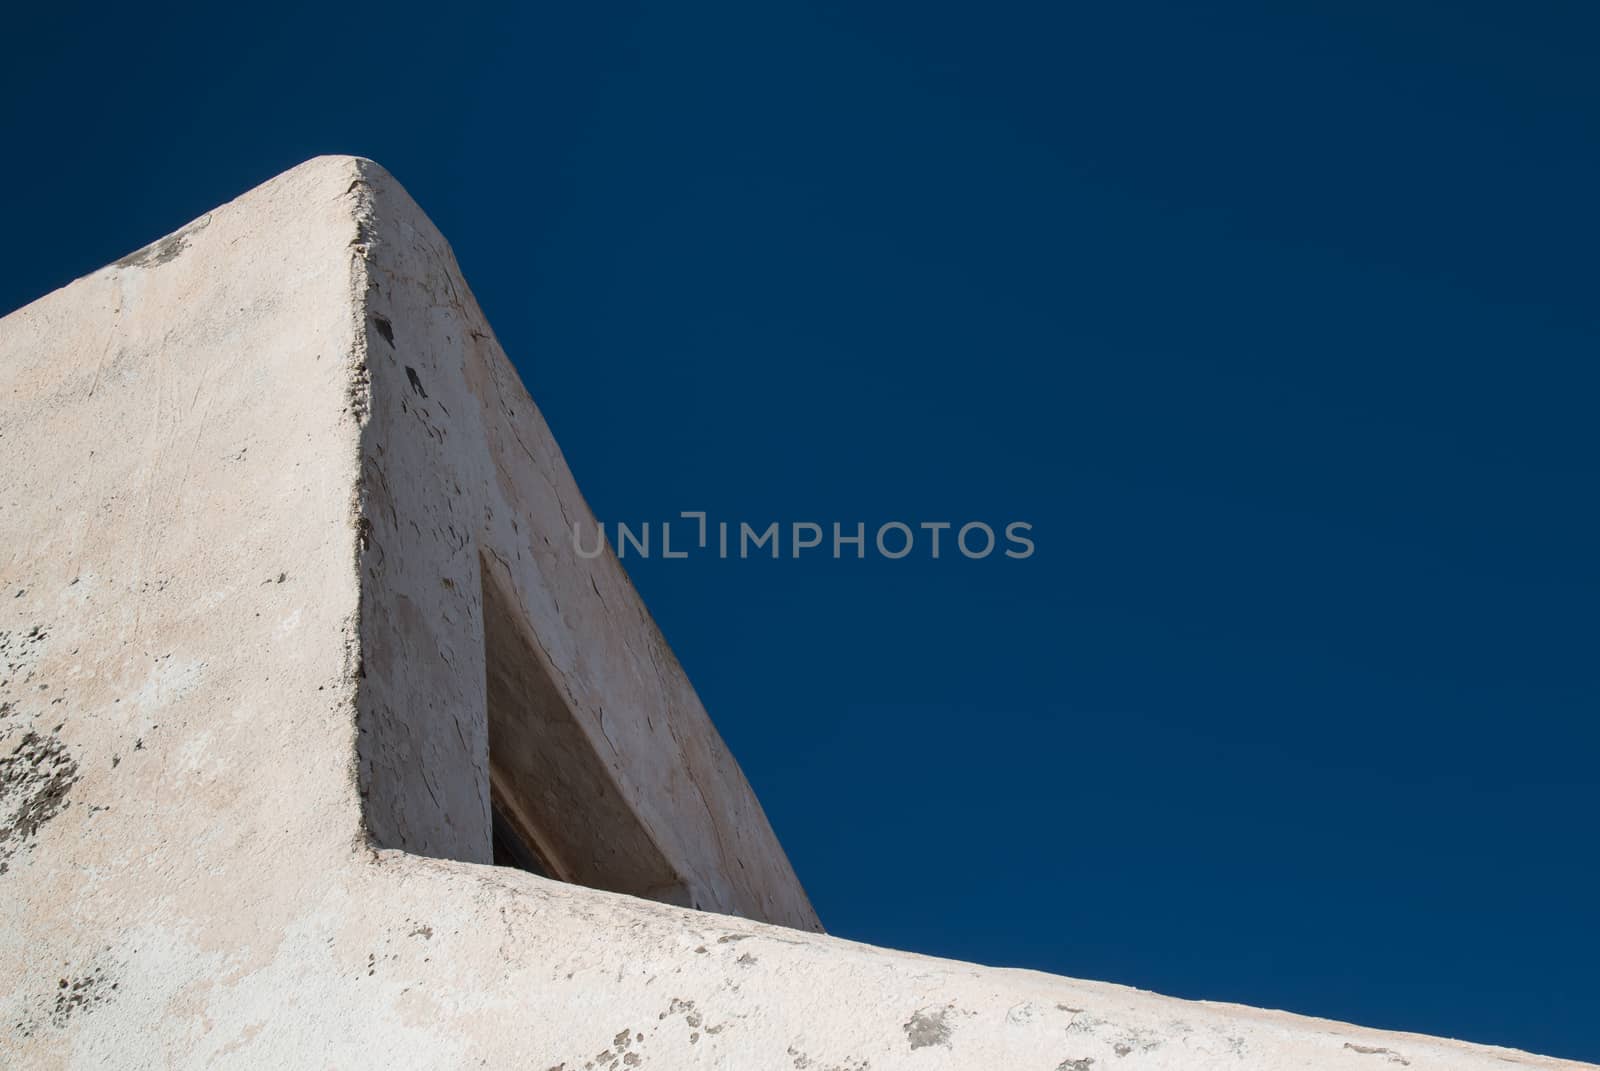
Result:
{"points": [[1277, 323]]}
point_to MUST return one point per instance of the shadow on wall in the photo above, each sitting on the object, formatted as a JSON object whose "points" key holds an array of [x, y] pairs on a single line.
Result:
{"points": [[557, 810]]}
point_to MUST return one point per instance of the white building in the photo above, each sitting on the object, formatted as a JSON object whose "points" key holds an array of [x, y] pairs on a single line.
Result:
{"points": [[300, 675]]}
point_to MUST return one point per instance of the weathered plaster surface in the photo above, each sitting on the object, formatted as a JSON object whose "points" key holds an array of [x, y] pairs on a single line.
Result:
{"points": [[247, 476], [458, 467]]}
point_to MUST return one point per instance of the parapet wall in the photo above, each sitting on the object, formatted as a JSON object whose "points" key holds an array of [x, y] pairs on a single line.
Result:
{"points": [[463, 486]]}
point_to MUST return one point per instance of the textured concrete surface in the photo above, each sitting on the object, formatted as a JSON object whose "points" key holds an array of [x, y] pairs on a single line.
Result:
{"points": [[258, 479]]}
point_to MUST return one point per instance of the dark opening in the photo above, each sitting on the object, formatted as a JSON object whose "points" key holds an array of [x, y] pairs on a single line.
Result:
{"points": [[509, 847]]}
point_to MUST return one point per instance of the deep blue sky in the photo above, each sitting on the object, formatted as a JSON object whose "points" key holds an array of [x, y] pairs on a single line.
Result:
{"points": [[1278, 322]]}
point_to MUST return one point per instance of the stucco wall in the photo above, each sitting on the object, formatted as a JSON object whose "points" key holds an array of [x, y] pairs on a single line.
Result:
{"points": [[459, 468], [249, 476]]}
